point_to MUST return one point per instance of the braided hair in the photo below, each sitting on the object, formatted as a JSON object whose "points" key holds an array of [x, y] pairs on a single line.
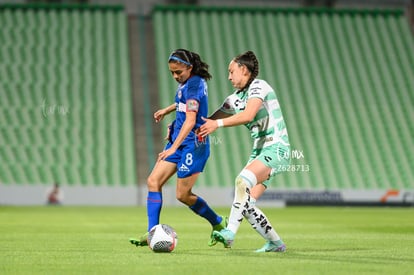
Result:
{"points": [[189, 58], [249, 60]]}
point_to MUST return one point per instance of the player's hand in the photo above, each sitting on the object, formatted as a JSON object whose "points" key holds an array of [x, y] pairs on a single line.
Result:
{"points": [[165, 154], [208, 127], [159, 115]]}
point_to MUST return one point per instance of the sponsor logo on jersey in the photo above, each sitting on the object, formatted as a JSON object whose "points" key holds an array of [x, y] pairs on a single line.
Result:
{"points": [[181, 107], [240, 104], [255, 91]]}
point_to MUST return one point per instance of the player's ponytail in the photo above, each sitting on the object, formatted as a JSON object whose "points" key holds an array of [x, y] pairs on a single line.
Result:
{"points": [[249, 60], [189, 58]]}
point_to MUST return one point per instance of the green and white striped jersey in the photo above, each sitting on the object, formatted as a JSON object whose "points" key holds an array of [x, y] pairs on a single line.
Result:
{"points": [[268, 126]]}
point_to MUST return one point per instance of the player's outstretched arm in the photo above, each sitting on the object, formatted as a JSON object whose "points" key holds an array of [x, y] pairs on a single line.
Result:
{"points": [[247, 115], [219, 114]]}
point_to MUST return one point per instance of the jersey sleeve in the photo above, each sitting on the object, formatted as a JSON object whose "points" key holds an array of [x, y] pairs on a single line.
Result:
{"points": [[195, 91], [259, 89], [195, 88]]}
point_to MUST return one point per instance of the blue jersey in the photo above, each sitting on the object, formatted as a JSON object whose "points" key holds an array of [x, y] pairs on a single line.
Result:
{"points": [[194, 88]]}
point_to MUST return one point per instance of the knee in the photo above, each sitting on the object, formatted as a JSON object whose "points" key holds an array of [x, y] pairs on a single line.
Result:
{"points": [[153, 184], [246, 179]]}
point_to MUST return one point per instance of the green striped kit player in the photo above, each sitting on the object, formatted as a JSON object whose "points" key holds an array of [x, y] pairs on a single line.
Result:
{"points": [[255, 105]]}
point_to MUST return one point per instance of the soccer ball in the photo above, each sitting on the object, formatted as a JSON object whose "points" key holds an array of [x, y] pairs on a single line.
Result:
{"points": [[162, 238]]}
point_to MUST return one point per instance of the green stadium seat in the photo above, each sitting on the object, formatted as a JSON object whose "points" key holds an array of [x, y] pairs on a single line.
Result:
{"points": [[59, 66]]}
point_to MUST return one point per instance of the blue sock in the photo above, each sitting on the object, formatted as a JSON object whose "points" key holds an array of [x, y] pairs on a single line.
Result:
{"points": [[201, 208], [154, 204]]}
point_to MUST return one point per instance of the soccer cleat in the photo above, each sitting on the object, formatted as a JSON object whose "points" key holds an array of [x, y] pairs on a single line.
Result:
{"points": [[218, 227], [225, 236], [142, 241], [270, 246]]}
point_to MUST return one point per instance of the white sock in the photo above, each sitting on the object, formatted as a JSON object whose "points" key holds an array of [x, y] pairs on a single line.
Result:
{"points": [[244, 181], [260, 222]]}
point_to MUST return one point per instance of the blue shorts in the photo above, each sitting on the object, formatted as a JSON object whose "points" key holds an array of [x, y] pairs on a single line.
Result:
{"points": [[190, 158]]}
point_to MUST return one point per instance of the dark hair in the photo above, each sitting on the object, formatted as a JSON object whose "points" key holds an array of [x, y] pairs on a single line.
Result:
{"points": [[189, 58], [249, 60]]}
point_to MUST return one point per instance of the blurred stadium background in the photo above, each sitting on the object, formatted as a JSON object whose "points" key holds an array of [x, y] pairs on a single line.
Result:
{"points": [[80, 80]]}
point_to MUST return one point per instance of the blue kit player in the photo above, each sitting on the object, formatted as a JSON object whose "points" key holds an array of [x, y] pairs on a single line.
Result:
{"points": [[186, 153]]}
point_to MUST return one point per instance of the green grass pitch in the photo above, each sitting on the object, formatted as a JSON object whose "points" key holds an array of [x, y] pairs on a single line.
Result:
{"points": [[94, 240]]}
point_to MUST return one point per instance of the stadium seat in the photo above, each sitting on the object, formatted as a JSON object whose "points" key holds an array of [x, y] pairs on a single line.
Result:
{"points": [[64, 107]]}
